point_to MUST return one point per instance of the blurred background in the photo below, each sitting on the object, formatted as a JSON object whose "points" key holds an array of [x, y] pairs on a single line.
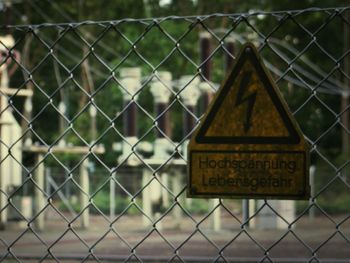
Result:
{"points": [[99, 99]]}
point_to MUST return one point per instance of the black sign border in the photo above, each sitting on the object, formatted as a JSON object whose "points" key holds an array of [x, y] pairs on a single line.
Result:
{"points": [[302, 195], [248, 53]]}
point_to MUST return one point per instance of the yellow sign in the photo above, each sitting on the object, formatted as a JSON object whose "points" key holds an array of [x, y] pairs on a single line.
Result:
{"points": [[248, 144]]}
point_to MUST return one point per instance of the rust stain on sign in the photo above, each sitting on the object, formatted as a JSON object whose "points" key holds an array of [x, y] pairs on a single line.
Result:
{"points": [[248, 144]]}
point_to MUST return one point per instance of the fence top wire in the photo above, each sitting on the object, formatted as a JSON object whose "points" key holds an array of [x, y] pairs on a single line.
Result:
{"points": [[322, 123], [200, 18]]}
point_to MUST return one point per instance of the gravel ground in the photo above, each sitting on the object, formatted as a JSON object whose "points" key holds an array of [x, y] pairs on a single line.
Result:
{"points": [[131, 240]]}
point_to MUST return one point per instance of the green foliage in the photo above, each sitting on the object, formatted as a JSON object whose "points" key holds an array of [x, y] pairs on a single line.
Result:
{"points": [[102, 201], [198, 206], [332, 206], [331, 186], [336, 205], [64, 208]]}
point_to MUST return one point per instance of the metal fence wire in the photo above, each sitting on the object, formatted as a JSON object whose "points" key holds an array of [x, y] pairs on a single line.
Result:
{"points": [[96, 117]]}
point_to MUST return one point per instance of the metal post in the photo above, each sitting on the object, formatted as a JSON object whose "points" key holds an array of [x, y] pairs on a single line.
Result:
{"points": [[47, 185], [39, 195], [28, 109], [146, 197], [67, 188], [251, 212], [165, 193], [84, 194], [216, 215], [112, 197], [93, 114], [176, 190], [312, 191], [245, 211], [62, 109]]}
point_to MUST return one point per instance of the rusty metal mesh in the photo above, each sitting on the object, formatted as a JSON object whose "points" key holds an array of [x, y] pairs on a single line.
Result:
{"points": [[97, 203]]}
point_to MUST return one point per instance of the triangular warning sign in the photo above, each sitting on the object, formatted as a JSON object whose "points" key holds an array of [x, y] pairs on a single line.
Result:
{"points": [[248, 145], [248, 108]]}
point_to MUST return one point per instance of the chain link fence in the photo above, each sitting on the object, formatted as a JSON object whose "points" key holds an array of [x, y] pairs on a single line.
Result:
{"points": [[96, 116]]}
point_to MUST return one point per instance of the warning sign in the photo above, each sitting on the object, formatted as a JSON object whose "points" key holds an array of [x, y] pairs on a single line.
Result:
{"points": [[248, 143]]}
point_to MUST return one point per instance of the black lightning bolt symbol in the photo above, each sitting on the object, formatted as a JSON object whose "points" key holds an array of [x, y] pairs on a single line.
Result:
{"points": [[250, 99]]}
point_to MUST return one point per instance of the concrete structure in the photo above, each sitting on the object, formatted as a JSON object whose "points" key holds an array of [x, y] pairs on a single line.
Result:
{"points": [[40, 201], [161, 91], [131, 83], [10, 134], [11, 154], [85, 193], [153, 191]]}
